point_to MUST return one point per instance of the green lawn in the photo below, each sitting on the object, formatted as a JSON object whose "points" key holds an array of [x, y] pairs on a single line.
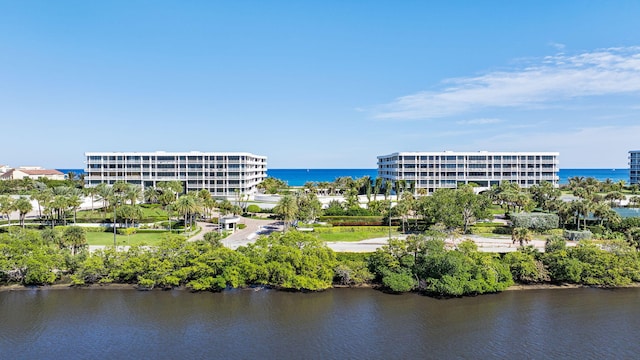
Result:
{"points": [[104, 238]]}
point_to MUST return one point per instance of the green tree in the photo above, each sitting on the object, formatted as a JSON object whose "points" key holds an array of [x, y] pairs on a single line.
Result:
{"points": [[23, 205], [287, 208], [309, 207], [151, 195], [7, 206], [187, 206], [75, 237], [521, 236], [544, 194], [272, 185]]}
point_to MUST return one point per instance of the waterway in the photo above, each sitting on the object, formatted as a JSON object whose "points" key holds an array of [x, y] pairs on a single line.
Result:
{"points": [[336, 324]]}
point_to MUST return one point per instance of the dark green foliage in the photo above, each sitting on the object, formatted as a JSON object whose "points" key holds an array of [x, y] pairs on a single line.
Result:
{"points": [[354, 220], [399, 281], [352, 269], [539, 222], [588, 264], [26, 259], [253, 208], [292, 260], [555, 243], [633, 236], [525, 268], [572, 235], [435, 270]]}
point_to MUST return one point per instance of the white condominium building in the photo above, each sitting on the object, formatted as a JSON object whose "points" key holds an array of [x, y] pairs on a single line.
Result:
{"points": [[634, 167], [222, 173], [448, 169]]}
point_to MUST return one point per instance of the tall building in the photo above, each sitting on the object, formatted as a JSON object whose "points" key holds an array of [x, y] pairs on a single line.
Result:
{"points": [[448, 169], [634, 167], [222, 173]]}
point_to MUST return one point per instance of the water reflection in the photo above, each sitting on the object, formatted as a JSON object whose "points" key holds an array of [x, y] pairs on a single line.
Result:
{"points": [[340, 323]]}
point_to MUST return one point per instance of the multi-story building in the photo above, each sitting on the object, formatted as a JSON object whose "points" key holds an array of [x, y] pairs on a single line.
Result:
{"points": [[448, 169], [634, 167], [222, 173]]}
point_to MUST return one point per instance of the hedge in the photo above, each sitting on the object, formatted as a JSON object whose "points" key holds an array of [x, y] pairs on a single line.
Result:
{"points": [[577, 235], [354, 220], [342, 229], [539, 222]]}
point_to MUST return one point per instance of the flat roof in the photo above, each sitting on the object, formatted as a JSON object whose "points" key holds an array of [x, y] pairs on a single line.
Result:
{"points": [[471, 153], [170, 153]]}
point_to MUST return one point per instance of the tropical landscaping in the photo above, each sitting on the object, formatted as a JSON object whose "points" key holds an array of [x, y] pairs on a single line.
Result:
{"points": [[429, 249]]}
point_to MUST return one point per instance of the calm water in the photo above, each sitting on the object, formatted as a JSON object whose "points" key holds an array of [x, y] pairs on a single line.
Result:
{"points": [[298, 177], [336, 324]]}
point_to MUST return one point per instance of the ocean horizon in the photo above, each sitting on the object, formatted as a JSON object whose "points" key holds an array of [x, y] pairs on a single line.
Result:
{"points": [[298, 177]]}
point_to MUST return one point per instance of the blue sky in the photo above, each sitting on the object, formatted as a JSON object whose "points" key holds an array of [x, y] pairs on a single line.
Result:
{"points": [[324, 84]]}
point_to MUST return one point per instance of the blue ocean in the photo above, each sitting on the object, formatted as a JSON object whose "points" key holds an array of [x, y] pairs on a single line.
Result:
{"points": [[298, 177]]}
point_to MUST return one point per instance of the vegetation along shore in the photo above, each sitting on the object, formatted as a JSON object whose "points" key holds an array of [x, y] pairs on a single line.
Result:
{"points": [[429, 249]]}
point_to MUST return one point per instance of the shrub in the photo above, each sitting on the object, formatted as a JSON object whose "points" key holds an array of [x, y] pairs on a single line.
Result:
{"points": [[539, 222], [242, 226], [577, 235], [253, 208], [353, 220], [489, 228], [504, 230], [126, 231]]}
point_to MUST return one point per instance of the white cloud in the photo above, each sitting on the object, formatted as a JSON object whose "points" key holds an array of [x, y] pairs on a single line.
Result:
{"points": [[548, 81], [479, 121], [589, 147]]}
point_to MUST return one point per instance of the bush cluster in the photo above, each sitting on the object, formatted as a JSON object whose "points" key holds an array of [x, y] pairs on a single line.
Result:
{"points": [[354, 220], [539, 222], [577, 235]]}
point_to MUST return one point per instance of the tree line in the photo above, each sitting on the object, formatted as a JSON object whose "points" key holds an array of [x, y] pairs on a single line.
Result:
{"points": [[298, 261]]}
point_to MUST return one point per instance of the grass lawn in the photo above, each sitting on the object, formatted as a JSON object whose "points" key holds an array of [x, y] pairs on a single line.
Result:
{"points": [[104, 238], [151, 212], [353, 236]]}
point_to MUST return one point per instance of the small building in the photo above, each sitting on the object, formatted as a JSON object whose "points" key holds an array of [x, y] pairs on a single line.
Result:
{"points": [[32, 173], [229, 223]]}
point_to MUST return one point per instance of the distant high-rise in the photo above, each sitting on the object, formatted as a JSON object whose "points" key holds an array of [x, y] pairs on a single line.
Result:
{"points": [[634, 167], [222, 173], [448, 169]]}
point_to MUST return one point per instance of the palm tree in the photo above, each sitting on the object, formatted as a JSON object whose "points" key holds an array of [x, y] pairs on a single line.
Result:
{"points": [[23, 205], [584, 208], [74, 237], [74, 201], [151, 195], [133, 193], [105, 193], [634, 201], [387, 189], [614, 197], [376, 187], [41, 196], [186, 205], [521, 235], [91, 192], [287, 208], [59, 205]]}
